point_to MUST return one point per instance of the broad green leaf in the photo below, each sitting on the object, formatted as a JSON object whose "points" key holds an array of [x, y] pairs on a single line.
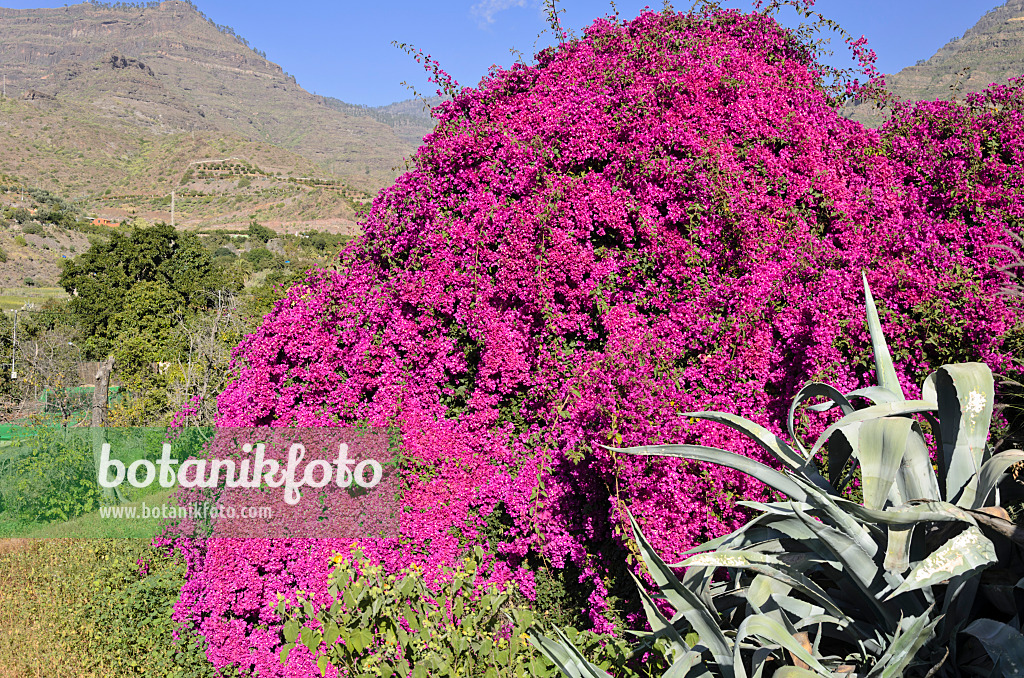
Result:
{"points": [[897, 552], [916, 479], [969, 551], [687, 666], [777, 634], [565, 656], [766, 440], [813, 390], [770, 566], [777, 480], [880, 450], [1004, 644], [857, 562], [911, 636], [876, 394], [885, 372], [893, 409], [993, 472], [702, 619], [964, 394]]}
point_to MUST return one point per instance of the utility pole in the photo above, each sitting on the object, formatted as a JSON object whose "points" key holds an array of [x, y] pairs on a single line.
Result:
{"points": [[14, 344], [172, 209]]}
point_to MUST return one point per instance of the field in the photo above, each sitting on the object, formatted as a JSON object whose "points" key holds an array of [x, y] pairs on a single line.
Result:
{"points": [[28, 297]]}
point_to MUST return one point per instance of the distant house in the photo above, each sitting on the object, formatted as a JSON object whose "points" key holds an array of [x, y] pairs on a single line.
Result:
{"points": [[104, 222]]}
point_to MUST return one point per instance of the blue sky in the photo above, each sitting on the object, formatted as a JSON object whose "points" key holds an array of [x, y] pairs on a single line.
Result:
{"points": [[343, 49]]}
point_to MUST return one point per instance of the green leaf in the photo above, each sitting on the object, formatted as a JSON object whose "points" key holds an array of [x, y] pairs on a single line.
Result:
{"points": [[764, 438], [662, 627], [993, 472], [880, 452], [857, 562], [908, 640], [969, 551], [565, 656], [765, 627], [813, 390], [885, 372], [892, 409], [703, 620], [770, 566], [291, 630], [1004, 644], [767, 475], [964, 393]]}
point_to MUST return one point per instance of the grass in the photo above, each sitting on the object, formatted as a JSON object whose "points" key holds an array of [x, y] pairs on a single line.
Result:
{"points": [[18, 297], [92, 525]]}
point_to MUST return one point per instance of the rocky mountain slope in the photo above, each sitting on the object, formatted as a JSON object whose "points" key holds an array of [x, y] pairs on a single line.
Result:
{"points": [[992, 51], [124, 100]]}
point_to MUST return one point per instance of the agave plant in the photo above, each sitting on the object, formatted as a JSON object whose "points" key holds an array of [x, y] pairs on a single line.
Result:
{"points": [[921, 578]]}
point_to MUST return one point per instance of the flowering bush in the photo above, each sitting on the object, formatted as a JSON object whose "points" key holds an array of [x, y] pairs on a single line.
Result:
{"points": [[394, 624], [663, 214]]}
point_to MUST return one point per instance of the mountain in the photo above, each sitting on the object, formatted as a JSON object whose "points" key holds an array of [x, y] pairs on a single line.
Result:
{"points": [[124, 99], [992, 51]]}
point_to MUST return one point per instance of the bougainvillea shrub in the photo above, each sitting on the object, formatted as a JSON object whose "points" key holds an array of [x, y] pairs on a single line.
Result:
{"points": [[663, 213]]}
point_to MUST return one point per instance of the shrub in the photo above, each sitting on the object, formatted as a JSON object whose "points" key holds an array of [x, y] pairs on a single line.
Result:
{"points": [[259, 257], [905, 583], [663, 213], [3, 256], [381, 624], [34, 229], [20, 241], [99, 607], [51, 478]]}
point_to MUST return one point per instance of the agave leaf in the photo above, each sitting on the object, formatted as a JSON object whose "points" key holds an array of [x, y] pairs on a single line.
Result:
{"points": [[797, 672], [687, 666], [885, 372], [880, 451], [968, 552], [908, 514], [703, 620], [841, 446], [755, 531], [1004, 644], [876, 394], [769, 566], [777, 480], [765, 627], [813, 390], [912, 634], [916, 478], [661, 626], [993, 472], [893, 409], [768, 441], [964, 394], [897, 552], [857, 562], [565, 656]]}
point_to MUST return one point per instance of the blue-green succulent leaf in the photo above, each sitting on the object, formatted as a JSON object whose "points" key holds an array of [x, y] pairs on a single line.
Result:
{"points": [[885, 372], [969, 551], [1004, 644]]}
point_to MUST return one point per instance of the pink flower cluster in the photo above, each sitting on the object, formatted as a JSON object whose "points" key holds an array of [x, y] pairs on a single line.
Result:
{"points": [[663, 216]]}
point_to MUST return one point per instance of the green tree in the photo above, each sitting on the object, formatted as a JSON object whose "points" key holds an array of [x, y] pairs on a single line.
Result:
{"points": [[174, 268], [260, 233]]}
